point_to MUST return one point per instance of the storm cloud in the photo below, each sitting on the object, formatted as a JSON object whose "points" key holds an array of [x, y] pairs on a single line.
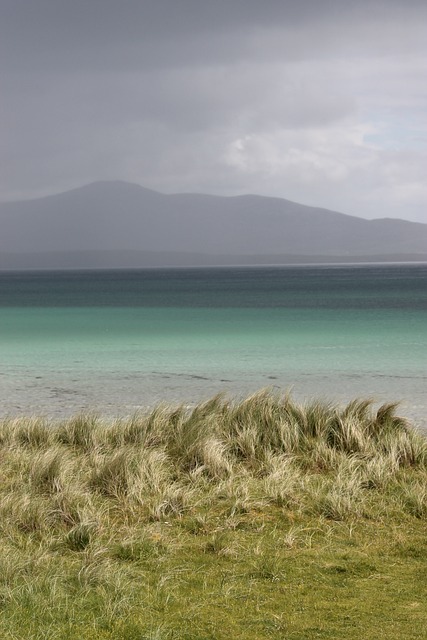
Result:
{"points": [[323, 102]]}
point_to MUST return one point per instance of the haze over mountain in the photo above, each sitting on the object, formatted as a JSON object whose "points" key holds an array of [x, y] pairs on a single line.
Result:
{"points": [[119, 224]]}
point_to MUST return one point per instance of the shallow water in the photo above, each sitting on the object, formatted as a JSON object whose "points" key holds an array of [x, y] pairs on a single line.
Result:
{"points": [[117, 341]]}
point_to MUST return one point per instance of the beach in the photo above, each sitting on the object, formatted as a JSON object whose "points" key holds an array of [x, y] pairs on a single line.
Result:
{"points": [[123, 341]]}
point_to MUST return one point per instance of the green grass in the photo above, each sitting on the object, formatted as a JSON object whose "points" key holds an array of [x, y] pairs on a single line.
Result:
{"points": [[258, 519]]}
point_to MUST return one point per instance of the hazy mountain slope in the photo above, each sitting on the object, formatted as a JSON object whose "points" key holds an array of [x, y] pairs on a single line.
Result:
{"points": [[123, 217]]}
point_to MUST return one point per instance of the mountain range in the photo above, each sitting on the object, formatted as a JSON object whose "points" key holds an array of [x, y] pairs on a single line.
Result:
{"points": [[120, 224]]}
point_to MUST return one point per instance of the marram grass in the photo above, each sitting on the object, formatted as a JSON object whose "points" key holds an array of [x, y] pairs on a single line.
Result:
{"points": [[254, 519]]}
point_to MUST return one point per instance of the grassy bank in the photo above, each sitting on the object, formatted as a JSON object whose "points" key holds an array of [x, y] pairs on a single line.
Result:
{"points": [[258, 519]]}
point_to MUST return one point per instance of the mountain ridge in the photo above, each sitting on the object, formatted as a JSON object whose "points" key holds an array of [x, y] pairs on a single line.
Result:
{"points": [[119, 216]]}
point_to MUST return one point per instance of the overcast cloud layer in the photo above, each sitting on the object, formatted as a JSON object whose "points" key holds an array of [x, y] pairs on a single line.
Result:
{"points": [[321, 102]]}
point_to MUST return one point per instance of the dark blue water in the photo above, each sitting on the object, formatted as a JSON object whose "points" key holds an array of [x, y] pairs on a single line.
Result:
{"points": [[359, 287]]}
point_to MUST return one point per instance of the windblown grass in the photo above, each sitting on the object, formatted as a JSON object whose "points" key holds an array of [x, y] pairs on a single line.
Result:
{"points": [[257, 519]]}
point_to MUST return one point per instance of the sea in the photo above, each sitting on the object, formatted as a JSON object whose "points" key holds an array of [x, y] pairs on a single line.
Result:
{"points": [[120, 341]]}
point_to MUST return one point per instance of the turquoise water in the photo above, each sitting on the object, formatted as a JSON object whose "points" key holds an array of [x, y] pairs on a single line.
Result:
{"points": [[116, 341]]}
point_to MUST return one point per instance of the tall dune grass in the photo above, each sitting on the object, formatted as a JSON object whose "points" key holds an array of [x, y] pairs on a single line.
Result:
{"points": [[268, 443], [94, 492]]}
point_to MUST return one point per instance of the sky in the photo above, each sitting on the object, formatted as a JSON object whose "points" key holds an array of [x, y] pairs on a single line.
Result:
{"points": [[323, 102]]}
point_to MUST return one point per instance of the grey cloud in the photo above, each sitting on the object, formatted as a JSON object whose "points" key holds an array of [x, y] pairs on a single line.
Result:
{"points": [[101, 34]]}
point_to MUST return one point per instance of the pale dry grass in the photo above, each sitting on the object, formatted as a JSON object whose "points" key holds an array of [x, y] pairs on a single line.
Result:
{"points": [[82, 477]]}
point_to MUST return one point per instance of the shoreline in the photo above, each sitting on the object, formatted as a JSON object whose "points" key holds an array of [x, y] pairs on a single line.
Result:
{"points": [[119, 412]]}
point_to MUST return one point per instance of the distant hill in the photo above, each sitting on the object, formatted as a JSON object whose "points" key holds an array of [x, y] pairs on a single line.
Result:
{"points": [[118, 224]]}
